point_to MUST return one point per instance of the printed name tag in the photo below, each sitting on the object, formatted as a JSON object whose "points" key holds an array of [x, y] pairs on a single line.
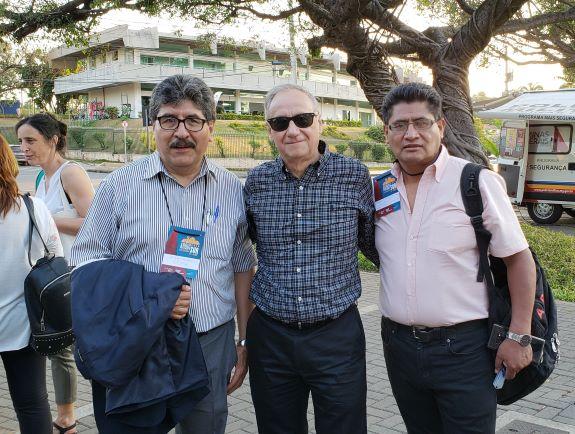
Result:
{"points": [[385, 194], [183, 252]]}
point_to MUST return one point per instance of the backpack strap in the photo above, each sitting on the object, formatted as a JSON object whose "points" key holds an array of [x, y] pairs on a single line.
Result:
{"points": [[473, 204], [30, 207], [38, 179]]}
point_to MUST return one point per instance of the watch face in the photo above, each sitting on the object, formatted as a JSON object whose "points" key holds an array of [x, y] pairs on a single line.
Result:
{"points": [[525, 340]]}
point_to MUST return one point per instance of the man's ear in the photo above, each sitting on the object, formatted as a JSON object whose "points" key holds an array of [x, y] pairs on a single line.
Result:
{"points": [[441, 125]]}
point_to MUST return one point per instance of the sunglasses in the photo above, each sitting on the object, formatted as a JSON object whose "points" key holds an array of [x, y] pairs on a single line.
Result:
{"points": [[281, 123]]}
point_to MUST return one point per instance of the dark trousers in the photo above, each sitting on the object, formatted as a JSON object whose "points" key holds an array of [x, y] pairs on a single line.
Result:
{"points": [[444, 385], [286, 364], [26, 375]]}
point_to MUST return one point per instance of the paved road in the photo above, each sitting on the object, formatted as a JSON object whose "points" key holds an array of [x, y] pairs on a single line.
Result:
{"points": [[27, 178], [551, 405]]}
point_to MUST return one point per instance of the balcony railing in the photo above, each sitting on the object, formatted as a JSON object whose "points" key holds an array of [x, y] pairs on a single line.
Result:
{"points": [[120, 73]]}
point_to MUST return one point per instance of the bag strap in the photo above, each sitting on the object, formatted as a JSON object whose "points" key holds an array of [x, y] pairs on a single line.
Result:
{"points": [[473, 204], [38, 179], [30, 207]]}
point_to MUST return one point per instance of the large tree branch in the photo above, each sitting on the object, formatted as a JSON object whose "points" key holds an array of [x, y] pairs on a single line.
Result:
{"points": [[474, 36], [517, 25]]}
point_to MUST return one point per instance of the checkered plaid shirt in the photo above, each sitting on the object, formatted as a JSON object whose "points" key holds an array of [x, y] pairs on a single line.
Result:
{"points": [[307, 233]]}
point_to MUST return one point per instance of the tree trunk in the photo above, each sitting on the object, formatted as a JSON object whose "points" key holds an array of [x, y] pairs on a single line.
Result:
{"points": [[461, 139]]}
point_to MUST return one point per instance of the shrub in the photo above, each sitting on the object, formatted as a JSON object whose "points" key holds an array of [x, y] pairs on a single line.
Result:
{"points": [[380, 152], [332, 131], [274, 149], [376, 133], [112, 112], [252, 127], [235, 116], [100, 138], [341, 148], [255, 145], [359, 148], [339, 123], [152, 139], [79, 136], [219, 142]]}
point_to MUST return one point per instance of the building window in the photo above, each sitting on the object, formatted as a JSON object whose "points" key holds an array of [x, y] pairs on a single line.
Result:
{"points": [[115, 55], [146, 59], [346, 115], [209, 65]]}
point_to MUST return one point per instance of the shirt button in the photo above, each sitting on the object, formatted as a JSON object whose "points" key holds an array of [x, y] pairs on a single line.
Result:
{"points": [[298, 242], [299, 299], [298, 215], [412, 237], [301, 187], [298, 270]]}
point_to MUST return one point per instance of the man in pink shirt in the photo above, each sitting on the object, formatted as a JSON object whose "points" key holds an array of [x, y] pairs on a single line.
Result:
{"points": [[434, 312]]}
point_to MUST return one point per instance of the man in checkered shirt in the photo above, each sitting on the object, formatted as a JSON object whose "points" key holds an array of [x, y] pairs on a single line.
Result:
{"points": [[308, 211]]}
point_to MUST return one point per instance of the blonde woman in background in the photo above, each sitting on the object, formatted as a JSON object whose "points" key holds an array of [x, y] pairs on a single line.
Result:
{"points": [[67, 191]]}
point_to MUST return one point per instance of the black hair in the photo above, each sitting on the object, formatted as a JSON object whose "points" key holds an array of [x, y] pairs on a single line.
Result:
{"points": [[412, 92], [48, 126]]}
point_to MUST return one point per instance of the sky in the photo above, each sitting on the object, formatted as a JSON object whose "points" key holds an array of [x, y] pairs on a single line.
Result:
{"points": [[489, 80]]}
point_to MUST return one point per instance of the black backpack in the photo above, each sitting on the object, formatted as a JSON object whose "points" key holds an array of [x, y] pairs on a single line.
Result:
{"points": [[47, 295], [494, 272]]}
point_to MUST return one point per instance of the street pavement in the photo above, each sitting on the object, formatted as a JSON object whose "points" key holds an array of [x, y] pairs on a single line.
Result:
{"points": [[548, 410]]}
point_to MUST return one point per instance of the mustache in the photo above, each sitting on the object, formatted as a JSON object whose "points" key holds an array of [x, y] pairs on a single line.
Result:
{"points": [[181, 143]]}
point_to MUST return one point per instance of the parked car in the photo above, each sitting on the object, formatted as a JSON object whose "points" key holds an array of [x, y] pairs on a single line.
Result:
{"points": [[19, 154]]}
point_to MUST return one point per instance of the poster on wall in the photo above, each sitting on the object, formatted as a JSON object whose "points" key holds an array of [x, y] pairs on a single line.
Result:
{"points": [[512, 143], [550, 139]]}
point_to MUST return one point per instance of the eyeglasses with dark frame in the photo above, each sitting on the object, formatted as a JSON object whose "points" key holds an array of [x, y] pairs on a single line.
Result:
{"points": [[301, 120], [421, 124], [172, 123]]}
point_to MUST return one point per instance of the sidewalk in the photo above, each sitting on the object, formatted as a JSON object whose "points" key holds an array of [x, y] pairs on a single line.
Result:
{"points": [[550, 409]]}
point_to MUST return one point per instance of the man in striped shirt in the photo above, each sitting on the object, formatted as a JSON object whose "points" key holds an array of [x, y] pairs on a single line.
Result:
{"points": [[177, 186], [309, 212]]}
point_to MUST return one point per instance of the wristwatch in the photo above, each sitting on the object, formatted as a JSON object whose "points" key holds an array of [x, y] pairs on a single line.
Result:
{"points": [[523, 340], [242, 343]]}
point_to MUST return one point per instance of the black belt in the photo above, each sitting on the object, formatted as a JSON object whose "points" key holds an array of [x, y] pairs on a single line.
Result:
{"points": [[302, 325], [430, 334], [200, 334]]}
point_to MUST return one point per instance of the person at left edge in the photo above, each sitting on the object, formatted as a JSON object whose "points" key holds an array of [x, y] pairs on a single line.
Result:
{"points": [[176, 185]]}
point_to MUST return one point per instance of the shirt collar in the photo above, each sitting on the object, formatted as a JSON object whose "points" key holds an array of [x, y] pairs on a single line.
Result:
{"points": [[438, 165], [319, 165], [156, 166]]}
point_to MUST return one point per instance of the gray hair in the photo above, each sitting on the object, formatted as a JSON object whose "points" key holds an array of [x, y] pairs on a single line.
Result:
{"points": [[289, 86], [412, 92], [177, 88]]}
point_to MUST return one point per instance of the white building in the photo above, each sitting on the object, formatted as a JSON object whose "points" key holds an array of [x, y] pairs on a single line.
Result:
{"points": [[122, 66]]}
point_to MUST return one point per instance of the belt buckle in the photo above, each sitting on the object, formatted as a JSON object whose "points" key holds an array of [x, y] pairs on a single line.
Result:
{"points": [[419, 334]]}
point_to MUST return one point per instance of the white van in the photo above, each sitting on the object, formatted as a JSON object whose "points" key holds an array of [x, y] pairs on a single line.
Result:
{"points": [[540, 175]]}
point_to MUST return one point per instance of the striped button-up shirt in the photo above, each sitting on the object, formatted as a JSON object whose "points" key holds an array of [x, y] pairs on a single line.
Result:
{"points": [[307, 233], [129, 219]]}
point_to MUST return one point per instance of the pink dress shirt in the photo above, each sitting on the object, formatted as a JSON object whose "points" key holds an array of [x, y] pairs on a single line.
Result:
{"points": [[429, 256]]}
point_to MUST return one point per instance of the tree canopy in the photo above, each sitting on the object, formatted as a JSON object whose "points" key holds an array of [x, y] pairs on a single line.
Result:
{"points": [[371, 32]]}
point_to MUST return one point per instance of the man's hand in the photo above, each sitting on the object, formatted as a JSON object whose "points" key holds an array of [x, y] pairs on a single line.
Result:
{"points": [[183, 302], [513, 356], [240, 370]]}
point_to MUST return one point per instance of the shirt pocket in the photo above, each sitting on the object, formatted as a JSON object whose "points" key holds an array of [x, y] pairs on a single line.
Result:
{"points": [[451, 234], [220, 237]]}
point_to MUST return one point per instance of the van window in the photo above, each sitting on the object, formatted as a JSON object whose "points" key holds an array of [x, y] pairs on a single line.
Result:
{"points": [[550, 139]]}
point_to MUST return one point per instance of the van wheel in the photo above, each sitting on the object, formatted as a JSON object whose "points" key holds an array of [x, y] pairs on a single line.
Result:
{"points": [[570, 211], [544, 213]]}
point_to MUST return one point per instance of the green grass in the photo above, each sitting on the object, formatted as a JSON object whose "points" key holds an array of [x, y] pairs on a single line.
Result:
{"points": [[556, 253]]}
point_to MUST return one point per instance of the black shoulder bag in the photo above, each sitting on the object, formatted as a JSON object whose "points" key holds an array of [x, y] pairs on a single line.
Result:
{"points": [[494, 272], [47, 295]]}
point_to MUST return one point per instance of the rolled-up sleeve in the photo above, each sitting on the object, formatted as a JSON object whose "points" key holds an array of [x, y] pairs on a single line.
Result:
{"points": [[243, 256], [499, 217]]}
